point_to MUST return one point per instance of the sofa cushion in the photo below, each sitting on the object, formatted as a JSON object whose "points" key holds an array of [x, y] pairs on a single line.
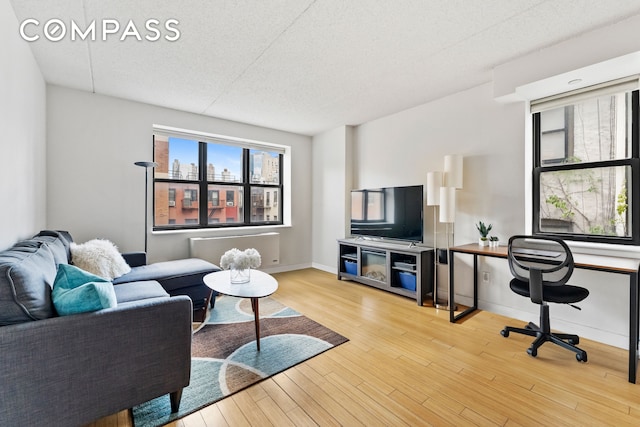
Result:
{"points": [[136, 291], [78, 291], [100, 257], [171, 274], [27, 272], [63, 237], [55, 245]]}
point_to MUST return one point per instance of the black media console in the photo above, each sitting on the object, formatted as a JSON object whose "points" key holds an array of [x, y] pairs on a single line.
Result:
{"points": [[394, 267]]}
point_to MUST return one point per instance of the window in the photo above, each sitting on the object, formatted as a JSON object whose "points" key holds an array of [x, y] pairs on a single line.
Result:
{"points": [[586, 176], [231, 173], [368, 205], [214, 198]]}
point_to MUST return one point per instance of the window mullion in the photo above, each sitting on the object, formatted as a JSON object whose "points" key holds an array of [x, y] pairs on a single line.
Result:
{"points": [[202, 183], [247, 186], [635, 124]]}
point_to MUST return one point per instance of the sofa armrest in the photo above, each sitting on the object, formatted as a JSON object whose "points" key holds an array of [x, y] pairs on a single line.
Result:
{"points": [[135, 259], [75, 369]]}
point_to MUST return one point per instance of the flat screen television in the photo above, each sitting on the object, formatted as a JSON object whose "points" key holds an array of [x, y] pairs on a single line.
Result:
{"points": [[388, 213]]}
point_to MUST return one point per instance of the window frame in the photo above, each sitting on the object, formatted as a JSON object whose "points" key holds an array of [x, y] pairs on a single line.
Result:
{"points": [[203, 185], [553, 165]]}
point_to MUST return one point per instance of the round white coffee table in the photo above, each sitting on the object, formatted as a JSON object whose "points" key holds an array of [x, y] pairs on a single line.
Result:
{"points": [[259, 286]]}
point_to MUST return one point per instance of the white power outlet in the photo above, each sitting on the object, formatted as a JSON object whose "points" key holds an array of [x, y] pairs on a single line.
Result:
{"points": [[486, 277]]}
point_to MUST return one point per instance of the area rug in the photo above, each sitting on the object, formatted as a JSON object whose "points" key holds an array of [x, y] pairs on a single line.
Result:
{"points": [[225, 359]]}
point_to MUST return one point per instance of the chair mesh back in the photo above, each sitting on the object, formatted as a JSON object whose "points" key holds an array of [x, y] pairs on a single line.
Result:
{"points": [[551, 256]]}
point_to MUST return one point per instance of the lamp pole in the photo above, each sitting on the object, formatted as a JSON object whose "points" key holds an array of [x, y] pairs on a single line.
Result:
{"points": [[146, 166]]}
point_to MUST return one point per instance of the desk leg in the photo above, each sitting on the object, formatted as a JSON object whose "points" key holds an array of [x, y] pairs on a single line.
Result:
{"points": [[475, 282], [633, 327], [452, 317], [256, 317]]}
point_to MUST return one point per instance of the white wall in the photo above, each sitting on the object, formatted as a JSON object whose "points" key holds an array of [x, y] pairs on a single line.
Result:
{"points": [[332, 183], [96, 191], [22, 145]]}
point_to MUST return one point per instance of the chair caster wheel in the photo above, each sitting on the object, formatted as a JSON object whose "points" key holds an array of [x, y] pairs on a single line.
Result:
{"points": [[532, 352], [504, 333], [573, 342], [581, 357]]}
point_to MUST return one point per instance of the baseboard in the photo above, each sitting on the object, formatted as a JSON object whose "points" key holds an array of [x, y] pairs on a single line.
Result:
{"points": [[285, 268], [328, 269]]}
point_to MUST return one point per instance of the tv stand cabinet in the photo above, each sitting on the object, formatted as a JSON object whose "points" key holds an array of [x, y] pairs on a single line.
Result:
{"points": [[403, 269]]}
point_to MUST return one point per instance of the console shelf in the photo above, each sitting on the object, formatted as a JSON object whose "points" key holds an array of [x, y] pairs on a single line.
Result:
{"points": [[393, 267]]}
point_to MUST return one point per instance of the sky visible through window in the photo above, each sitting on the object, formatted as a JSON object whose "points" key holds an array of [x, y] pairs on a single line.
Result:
{"points": [[220, 155], [225, 157]]}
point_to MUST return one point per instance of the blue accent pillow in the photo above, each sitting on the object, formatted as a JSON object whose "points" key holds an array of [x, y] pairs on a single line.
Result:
{"points": [[78, 291]]}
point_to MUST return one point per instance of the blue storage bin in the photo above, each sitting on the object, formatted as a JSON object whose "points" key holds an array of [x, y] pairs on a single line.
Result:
{"points": [[351, 267], [407, 280]]}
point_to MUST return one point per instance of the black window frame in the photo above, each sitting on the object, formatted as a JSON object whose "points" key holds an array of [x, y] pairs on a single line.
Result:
{"points": [[553, 165], [203, 188]]}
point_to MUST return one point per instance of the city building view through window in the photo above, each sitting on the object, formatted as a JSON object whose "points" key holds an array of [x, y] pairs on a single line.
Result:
{"points": [[584, 167], [239, 185]]}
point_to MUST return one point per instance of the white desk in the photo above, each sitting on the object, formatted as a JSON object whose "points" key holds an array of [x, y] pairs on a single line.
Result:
{"points": [[259, 286], [628, 266]]}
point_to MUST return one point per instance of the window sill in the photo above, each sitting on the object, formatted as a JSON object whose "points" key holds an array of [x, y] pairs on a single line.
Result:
{"points": [[222, 231], [621, 251]]}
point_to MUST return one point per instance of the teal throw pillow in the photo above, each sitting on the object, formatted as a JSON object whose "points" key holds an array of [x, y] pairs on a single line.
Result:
{"points": [[78, 291]]}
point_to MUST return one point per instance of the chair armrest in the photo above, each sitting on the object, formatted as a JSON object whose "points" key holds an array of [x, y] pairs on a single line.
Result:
{"points": [[75, 369], [135, 259]]}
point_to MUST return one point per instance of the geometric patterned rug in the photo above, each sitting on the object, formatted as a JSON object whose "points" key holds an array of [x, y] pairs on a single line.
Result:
{"points": [[225, 359]]}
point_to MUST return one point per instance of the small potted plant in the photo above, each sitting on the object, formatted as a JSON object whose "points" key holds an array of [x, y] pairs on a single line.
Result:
{"points": [[484, 232], [494, 241]]}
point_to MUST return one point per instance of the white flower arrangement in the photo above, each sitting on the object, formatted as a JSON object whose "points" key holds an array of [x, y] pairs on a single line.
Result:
{"points": [[240, 260]]}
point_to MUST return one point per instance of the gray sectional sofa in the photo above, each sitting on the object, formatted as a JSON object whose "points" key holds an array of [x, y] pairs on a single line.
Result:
{"points": [[71, 370]]}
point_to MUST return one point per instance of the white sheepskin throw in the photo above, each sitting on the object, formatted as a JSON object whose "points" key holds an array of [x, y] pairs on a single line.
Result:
{"points": [[100, 257]]}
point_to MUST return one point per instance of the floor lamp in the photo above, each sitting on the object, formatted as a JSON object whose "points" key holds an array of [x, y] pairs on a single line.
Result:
{"points": [[146, 166], [434, 182], [447, 215], [452, 182]]}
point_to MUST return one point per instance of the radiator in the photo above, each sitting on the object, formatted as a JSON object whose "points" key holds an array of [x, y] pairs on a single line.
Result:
{"points": [[212, 248]]}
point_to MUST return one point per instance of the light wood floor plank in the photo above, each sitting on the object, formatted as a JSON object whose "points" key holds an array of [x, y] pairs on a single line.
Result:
{"points": [[325, 400], [274, 392], [274, 413], [380, 412], [306, 401], [194, 420], [300, 418], [346, 400], [213, 417], [250, 408], [232, 413], [407, 365]]}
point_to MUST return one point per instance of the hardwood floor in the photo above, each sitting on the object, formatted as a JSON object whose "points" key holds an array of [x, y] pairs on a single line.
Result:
{"points": [[407, 365]]}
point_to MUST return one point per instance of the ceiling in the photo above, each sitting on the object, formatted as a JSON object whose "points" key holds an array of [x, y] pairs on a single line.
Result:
{"points": [[303, 66]]}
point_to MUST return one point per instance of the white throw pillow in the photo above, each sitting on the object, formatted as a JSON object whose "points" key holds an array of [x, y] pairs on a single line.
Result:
{"points": [[100, 257]]}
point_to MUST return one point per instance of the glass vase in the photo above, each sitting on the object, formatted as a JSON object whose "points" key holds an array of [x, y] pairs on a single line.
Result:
{"points": [[240, 276]]}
